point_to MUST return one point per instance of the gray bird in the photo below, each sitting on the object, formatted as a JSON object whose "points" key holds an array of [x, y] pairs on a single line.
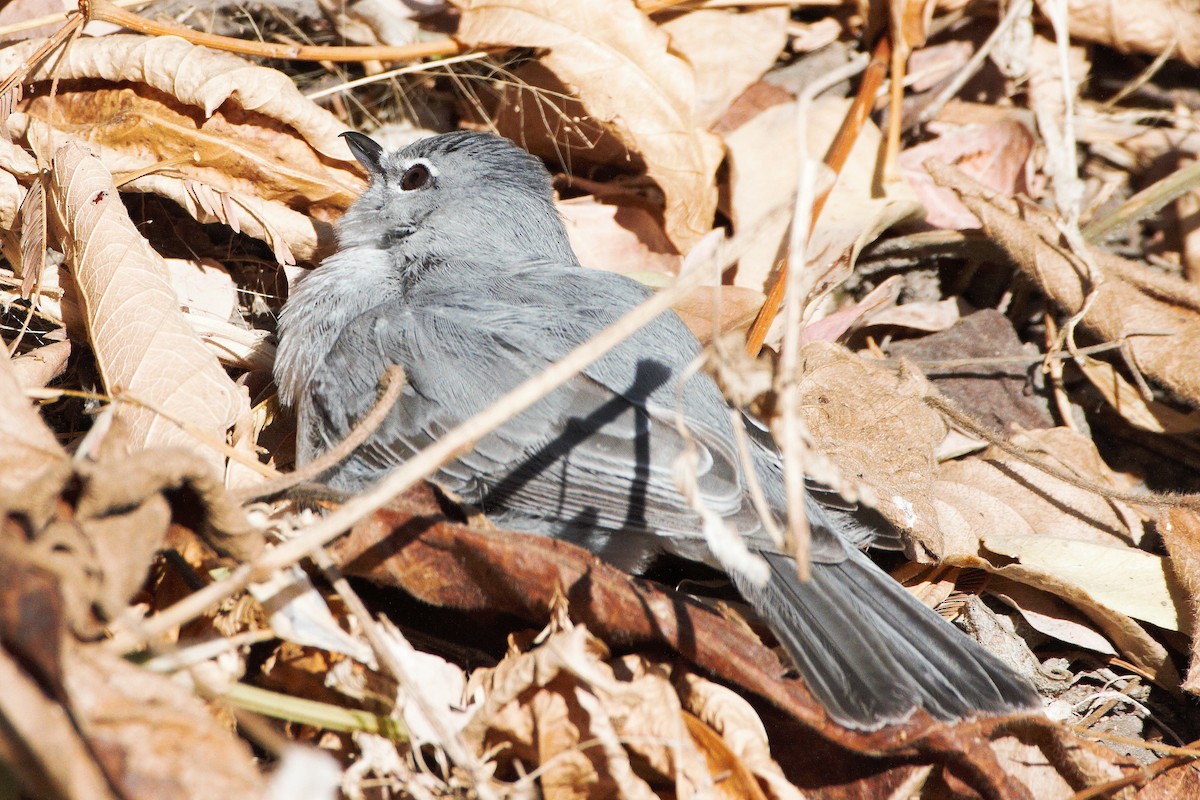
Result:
{"points": [[455, 265]]}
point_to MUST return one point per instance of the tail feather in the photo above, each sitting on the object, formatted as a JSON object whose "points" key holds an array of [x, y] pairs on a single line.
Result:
{"points": [[872, 653]]}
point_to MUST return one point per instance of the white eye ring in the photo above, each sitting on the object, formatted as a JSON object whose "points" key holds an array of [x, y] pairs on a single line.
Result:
{"points": [[417, 175]]}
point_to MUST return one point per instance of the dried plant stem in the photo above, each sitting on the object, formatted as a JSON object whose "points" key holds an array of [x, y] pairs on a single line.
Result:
{"points": [[974, 428], [393, 383], [1015, 12], [73, 24], [106, 11], [449, 739], [1145, 203], [835, 159]]}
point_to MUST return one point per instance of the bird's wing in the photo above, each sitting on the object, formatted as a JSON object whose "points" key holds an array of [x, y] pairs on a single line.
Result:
{"points": [[597, 454]]}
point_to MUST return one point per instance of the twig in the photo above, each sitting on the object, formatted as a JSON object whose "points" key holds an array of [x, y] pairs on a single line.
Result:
{"points": [[392, 73], [450, 740], [106, 11], [835, 159], [968, 424], [393, 383], [1145, 203], [1014, 13]]}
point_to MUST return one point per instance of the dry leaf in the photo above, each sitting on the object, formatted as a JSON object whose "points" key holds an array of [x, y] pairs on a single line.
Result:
{"points": [[27, 447], [618, 238], [728, 49], [1159, 322], [622, 68], [1148, 26], [267, 160], [1180, 530], [873, 424], [763, 168], [994, 155], [142, 342]]}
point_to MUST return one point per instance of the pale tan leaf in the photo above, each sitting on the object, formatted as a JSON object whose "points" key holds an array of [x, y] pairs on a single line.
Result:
{"points": [[855, 212], [38, 367], [763, 166], [1030, 502], [1130, 581], [713, 311], [1148, 26], [729, 49], [919, 316], [194, 75], [27, 447], [618, 238], [140, 338], [622, 68], [1153, 416]]}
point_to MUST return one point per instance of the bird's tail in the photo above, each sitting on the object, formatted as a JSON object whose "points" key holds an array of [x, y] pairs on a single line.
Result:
{"points": [[872, 653]]}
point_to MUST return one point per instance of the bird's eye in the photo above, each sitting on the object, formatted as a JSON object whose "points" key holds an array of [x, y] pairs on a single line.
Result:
{"points": [[415, 177]]}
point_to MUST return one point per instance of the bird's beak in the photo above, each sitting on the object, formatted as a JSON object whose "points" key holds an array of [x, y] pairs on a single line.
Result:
{"points": [[366, 150]]}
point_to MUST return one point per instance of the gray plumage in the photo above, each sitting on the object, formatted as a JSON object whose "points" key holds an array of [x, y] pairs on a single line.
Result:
{"points": [[455, 265]]}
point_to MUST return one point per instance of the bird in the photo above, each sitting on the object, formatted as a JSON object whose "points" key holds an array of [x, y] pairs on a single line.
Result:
{"points": [[455, 265]]}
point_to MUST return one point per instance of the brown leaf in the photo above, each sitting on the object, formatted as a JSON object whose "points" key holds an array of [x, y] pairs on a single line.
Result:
{"points": [[1180, 529], [56, 760], [873, 423], [622, 68], [155, 738], [1155, 314], [27, 446], [269, 158], [142, 343], [502, 572]]}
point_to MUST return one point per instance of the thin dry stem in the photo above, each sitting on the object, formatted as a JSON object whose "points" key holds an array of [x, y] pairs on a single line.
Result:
{"points": [[393, 382], [108, 12]]}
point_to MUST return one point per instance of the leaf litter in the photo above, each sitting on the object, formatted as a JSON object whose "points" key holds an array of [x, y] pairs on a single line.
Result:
{"points": [[996, 355]]}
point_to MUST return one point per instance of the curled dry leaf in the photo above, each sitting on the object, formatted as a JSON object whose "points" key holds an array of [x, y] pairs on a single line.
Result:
{"points": [[142, 343], [227, 140], [623, 69], [728, 49], [1155, 314], [999, 502], [1148, 26], [16, 166], [873, 423], [124, 712], [413, 547], [27, 446], [97, 525], [1180, 529], [740, 727]]}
